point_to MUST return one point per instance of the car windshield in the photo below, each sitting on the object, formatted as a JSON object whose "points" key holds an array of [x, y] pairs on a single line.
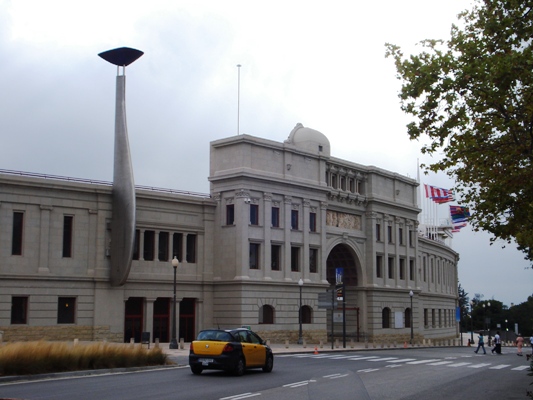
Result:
{"points": [[215, 335]]}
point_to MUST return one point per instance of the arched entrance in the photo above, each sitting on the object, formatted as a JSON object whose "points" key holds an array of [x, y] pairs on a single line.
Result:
{"points": [[342, 257]]}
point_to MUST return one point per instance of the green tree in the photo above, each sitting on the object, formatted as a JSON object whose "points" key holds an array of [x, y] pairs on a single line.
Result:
{"points": [[472, 97], [464, 307]]}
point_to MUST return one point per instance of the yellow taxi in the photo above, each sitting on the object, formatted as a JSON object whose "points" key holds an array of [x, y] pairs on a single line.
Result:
{"points": [[233, 350]]}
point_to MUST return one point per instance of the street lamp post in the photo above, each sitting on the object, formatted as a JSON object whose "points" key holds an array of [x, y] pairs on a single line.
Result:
{"points": [[411, 294], [472, 322], [300, 337], [173, 341]]}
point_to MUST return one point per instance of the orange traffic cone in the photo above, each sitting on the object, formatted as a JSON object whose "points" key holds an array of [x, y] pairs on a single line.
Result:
{"points": [[316, 350]]}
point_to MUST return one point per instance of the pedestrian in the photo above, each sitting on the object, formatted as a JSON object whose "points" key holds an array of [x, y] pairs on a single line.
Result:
{"points": [[480, 343], [497, 343], [519, 343], [528, 356]]}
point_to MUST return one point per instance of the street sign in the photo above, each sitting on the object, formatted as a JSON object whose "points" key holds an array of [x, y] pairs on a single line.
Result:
{"points": [[324, 301]]}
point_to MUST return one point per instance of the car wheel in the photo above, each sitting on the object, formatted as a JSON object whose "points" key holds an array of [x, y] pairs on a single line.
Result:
{"points": [[269, 364], [196, 369], [239, 367]]}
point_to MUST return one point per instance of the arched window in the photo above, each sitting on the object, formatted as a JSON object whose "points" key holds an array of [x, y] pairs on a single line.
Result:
{"points": [[266, 314], [385, 318], [307, 315], [408, 318]]}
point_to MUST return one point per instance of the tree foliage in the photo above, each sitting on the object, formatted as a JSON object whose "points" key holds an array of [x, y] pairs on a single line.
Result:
{"points": [[472, 102]]}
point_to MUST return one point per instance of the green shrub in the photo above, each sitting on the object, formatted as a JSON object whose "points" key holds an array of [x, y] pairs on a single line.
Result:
{"points": [[25, 358]]}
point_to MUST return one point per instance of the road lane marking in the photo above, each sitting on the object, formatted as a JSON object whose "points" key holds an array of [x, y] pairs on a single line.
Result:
{"points": [[402, 360], [384, 359], [368, 370], [501, 366], [241, 396], [523, 367], [362, 358], [441, 363], [459, 364], [423, 361], [296, 384], [480, 365]]}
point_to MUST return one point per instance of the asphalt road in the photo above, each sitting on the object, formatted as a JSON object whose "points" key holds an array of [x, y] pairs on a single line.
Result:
{"points": [[430, 373]]}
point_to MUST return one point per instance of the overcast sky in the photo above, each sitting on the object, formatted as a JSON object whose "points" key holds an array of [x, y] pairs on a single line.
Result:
{"points": [[321, 64]]}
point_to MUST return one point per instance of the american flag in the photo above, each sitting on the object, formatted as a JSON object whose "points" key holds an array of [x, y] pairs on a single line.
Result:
{"points": [[438, 195]]}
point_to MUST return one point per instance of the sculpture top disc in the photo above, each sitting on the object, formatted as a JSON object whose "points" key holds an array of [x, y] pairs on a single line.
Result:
{"points": [[122, 56]]}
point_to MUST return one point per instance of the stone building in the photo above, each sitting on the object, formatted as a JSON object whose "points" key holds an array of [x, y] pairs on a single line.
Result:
{"points": [[283, 224]]}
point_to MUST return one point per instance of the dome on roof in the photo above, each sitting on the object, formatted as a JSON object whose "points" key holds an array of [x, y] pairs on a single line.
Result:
{"points": [[309, 140]]}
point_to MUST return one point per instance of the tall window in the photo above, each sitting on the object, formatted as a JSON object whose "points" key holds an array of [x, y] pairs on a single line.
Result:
{"points": [[18, 225], [426, 321], [402, 268], [19, 310], [378, 232], [389, 234], [254, 214], [295, 259], [275, 217], [136, 244], [312, 222], [191, 248], [177, 244], [411, 270], [385, 318], [66, 310], [275, 257], [307, 315], [163, 246], [400, 234], [254, 256], [391, 267], [68, 221], [294, 219], [149, 243], [230, 214], [313, 261], [266, 314], [379, 266], [411, 240]]}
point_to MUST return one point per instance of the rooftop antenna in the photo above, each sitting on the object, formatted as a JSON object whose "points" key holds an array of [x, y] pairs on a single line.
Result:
{"points": [[238, 97]]}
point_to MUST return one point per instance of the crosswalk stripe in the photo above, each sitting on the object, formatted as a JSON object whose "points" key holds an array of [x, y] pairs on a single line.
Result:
{"points": [[362, 358], [402, 360], [442, 363], [479, 365], [423, 361], [501, 366], [384, 359], [521, 368], [459, 364]]}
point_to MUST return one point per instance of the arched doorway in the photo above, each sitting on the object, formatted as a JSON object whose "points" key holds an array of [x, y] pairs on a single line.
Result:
{"points": [[342, 257]]}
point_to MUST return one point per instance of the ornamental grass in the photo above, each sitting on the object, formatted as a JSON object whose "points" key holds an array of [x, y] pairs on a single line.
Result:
{"points": [[28, 358]]}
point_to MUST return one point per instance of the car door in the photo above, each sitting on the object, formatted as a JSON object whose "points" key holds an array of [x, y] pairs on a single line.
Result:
{"points": [[257, 349]]}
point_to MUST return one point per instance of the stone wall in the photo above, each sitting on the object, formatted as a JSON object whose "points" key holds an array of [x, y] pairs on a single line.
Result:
{"points": [[311, 337], [82, 333]]}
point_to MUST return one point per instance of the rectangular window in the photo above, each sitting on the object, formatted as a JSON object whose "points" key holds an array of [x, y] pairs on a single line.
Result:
{"points": [[19, 310], [163, 246], [426, 317], [411, 240], [295, 259], [254, 214], [18, 225], [312, 222], [313, 261], [177, 244], [136, 244], [379, 266], [352, 185], [389, 234], [378, 232], [230, 214], [275, 217], [402, 268], [191, 248], [254, 256], [66, 310], [68, 221], [411, 270], [294, 219], [149, 243], [343, 183], [400, 234], [391, 268], [275, 257]]}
